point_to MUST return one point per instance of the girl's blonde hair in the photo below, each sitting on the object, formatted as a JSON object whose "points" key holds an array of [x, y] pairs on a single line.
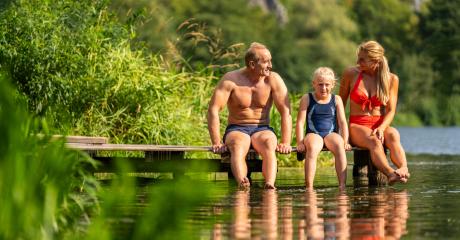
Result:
{"points": [[375, 52], [324, 72]]}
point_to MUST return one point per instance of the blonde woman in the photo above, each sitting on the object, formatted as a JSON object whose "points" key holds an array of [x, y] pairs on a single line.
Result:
{"points": [[373, 92]]}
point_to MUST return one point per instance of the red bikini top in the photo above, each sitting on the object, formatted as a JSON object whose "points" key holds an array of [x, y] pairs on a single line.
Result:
{"points": [[362, 99]]}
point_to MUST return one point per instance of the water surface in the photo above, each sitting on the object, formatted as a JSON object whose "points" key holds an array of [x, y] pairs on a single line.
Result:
{"points": [[425, 208], [431, 140]]}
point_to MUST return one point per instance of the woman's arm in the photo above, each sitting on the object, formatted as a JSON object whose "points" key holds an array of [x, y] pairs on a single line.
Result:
{"points": [[345, 81], [390, 108]]}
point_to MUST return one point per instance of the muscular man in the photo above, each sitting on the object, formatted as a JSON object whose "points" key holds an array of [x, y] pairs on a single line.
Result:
{"points": [[249, 93]]}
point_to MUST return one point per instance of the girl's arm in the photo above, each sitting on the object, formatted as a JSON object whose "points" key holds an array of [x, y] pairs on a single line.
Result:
{"points": [[301, 117], [342, 122]]}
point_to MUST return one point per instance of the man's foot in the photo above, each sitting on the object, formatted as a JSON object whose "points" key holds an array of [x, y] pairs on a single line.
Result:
{"points": [[269, 186], [403, 172], [244, 184], [395, 177]]}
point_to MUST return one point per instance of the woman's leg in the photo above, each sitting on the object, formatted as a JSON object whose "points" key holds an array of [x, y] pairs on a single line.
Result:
{"points": [[397, 153], [313, 146], [334, 142], [361, 136]]}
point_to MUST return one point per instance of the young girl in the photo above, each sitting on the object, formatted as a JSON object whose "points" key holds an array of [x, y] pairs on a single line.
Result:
{"points": [[325, 115]]}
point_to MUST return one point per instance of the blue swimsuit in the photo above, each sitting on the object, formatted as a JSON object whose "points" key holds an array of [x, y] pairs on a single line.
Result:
{"points": [[321, 118]]}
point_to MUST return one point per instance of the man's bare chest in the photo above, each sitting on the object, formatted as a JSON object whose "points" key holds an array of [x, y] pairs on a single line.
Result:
{"points": [[257, 96]]}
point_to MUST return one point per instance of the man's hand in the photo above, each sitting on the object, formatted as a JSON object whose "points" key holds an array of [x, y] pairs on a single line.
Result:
{"points": [[300, 147], [219, 148], [284, 148]]}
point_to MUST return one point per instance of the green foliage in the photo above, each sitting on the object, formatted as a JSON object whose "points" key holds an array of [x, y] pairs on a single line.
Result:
{"points": [[441, 33], [393, 23], [45, 188], [74, 62], [318, 34]]}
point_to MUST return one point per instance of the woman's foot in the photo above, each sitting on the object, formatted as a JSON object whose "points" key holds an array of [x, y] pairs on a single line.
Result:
{"points": [[403, 172], [395, 177]]}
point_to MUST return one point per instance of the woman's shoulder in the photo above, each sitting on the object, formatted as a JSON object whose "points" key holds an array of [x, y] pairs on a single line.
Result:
{"points": [[350, 73], [394, 78], [352, 70]]}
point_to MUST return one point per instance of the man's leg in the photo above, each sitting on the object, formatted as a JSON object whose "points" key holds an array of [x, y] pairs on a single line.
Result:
{"points": [[264, 142], [238, 144]]}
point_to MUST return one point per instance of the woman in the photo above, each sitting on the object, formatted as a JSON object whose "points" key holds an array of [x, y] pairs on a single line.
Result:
{"points": [[373, 92]]}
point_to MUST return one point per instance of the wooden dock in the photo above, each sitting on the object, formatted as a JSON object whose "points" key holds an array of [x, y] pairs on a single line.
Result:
{"points": [[172, 158]]}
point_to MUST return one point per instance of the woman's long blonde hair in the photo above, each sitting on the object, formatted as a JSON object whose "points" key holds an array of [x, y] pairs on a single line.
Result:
{"points": [[375, 52]]}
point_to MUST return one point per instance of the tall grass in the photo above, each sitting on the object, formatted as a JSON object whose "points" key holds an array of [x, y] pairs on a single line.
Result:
{"points": [[45, 188], [76, 64], [48, 191]]}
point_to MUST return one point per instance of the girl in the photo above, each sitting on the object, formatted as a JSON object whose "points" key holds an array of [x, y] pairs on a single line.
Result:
{"points": [[324, 113]]}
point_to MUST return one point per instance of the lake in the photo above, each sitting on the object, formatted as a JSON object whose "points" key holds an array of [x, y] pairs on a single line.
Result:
{"points": [[431, 140], [424, 208]]}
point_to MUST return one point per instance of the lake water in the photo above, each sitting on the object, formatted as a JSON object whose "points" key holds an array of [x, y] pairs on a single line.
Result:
{"points": [[431, 140], [425, 208]]}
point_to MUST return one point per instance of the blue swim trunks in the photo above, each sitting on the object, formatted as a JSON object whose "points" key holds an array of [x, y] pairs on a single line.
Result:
{"points": [[248, 129]]}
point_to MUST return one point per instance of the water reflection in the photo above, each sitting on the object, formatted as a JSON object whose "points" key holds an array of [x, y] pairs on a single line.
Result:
{"points": [[369, 213], [382, 214]]}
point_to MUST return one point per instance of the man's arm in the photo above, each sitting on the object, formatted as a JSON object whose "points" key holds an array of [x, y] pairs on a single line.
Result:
{"points": [[218, 100], [282, 103]]}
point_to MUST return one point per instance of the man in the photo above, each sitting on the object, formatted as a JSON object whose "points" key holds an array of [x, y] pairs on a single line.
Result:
{"points": [[249, 94]]}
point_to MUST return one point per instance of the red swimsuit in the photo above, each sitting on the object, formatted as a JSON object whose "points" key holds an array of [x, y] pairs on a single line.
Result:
{"points": [[362, 99]]}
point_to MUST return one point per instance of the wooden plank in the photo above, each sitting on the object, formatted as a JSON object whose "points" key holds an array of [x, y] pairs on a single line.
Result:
{"points": [[82, 139], [138, 147], [152, 148]]}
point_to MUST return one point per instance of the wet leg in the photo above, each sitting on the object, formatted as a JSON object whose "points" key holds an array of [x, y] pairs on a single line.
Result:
{"points": [[361, 136], [313, 146], [334, 142], [397, 153], [264, 142], [238, 144]]}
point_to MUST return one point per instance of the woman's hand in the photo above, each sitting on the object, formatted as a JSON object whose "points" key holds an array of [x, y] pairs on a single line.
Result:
{"points": [[378, 132]]}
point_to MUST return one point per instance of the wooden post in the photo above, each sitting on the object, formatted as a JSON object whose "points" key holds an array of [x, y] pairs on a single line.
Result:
{"points": [[363, 167]]}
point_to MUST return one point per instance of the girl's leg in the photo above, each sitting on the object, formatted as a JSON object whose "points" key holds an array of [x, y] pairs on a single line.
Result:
{"points": [[334, 142], [313, 146], [397, 153], [361, 136]]}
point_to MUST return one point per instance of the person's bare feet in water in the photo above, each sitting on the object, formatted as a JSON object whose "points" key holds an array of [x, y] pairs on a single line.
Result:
{"points": [[245, 184], [269, 186], [395, 177], [403, 172]]}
